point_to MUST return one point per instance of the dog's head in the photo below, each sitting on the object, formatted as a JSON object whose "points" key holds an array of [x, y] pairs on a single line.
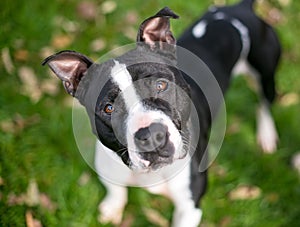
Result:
{"points": [[138, 103]]}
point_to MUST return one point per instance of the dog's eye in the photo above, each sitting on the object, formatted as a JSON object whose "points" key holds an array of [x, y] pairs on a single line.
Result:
{"points": [[108, 108], [161, 85]]}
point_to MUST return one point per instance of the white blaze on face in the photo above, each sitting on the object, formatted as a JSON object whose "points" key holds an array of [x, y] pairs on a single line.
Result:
{"points": [[140, 117], [123, 79]]}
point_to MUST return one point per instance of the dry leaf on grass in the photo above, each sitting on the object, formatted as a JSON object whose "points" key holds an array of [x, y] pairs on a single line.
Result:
{"points": [[108, 6], [155, 217], [30, 221], [61, 41], [32, 198], [21, 55], [30, 85], [245, 192], [47, 203], [87, 10], [289, 99], [18, 123], [7, 61], [132, 17], [296, 162], [97, 45], [84, 179]]}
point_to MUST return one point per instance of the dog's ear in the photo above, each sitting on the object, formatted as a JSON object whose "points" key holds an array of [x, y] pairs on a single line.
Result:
{"points": [[70, 67], [156, 29]]}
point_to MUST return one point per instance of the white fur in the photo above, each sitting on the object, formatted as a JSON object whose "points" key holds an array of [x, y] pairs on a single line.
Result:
{"points": [[185, 214], [267, 136], [199, 29], [112, 206], [123, 79], [245, 38]]}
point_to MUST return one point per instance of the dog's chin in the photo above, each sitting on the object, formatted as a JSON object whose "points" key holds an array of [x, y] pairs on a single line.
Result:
{"points": [[145, 166]]}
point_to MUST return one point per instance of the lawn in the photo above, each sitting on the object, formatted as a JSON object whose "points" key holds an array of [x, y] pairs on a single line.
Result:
{"points": [[44, 180]]}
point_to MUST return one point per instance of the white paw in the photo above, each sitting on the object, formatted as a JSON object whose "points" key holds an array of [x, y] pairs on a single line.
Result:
{"points": [[190, 218], [110, 211], [268, 141], [267, 136]]}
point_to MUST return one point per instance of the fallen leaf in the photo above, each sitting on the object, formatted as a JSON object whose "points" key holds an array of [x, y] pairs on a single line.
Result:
{"points": [[245, 192], [47, 203], [21, 55], [98, 45], [108, 7], [7, 61], [84, 179], [289, 99], [32, 197], [30, 221], [296, 162], [61, 41], [275, 16], [269, 13], [13, 199], [132, 17], [87, 10], [155, 217], [30, 85], [17, 124]]}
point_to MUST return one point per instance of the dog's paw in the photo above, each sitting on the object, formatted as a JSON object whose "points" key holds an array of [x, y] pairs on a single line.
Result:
{"points": [[110, 212], [190, 217], [267, 136]]}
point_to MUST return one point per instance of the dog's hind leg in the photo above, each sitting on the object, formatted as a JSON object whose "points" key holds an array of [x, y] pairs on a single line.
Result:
{"points": [[264, 61]]}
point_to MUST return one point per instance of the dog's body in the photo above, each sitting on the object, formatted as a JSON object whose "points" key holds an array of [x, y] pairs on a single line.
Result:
{"points": [[142, 110]]}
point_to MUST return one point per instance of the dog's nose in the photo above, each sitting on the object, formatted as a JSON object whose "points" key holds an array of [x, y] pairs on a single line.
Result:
{"points": [[152, 138]]}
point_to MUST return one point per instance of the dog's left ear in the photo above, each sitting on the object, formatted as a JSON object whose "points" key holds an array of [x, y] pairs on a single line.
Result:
{"points": [[156, 29], [70, 67]]}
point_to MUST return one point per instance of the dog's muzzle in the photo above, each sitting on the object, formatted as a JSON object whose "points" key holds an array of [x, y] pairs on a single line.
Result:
{"points": [[153, 141]]}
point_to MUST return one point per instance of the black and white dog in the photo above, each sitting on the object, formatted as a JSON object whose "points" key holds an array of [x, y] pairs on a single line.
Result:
{"points": [[140, 103]]}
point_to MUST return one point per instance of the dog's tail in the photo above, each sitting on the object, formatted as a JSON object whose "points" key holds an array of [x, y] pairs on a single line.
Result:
{"points": [[248, 3]]}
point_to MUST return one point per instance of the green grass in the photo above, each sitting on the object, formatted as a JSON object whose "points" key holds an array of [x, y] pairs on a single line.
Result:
{"points": [[45, 149]]}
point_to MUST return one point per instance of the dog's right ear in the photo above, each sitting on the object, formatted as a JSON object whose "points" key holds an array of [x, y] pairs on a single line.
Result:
{"points": [[70, 67], [156, 29]]}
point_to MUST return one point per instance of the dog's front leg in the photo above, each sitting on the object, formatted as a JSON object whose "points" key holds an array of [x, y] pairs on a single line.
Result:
{"points": [[186, 213], [112, 206]]}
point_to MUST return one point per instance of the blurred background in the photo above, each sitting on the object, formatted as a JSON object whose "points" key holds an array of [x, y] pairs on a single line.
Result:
{"points": [[43, 179]]}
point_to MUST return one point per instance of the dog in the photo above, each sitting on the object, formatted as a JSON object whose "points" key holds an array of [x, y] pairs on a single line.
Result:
{"points": [[140, 103]]}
